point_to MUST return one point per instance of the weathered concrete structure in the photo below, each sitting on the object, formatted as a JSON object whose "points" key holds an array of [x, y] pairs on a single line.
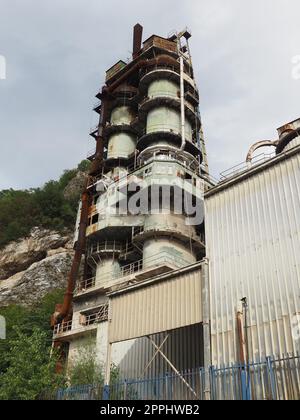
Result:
{"points": [[146, 215], [165, 289]]}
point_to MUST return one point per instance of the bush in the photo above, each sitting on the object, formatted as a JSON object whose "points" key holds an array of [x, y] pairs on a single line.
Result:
{"points": [[86, 370], [31, 369], [26, 369]]}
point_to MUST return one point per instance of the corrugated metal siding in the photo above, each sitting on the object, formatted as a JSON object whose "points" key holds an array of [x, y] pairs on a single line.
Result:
{"points": [[183, 348], [161, 306], [253, 244]]}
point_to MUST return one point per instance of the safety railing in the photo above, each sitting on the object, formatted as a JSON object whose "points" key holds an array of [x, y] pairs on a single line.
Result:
{"points": [[94, 128], [97, 104], [91, 152], [101, 315], [141, 230], [159, 95], [100, 247], [169, 156], [167, 95], [156, 260], [84, 285], [244, 166], [158, 67], [130, 269], [96, 318], [143, 161], [63, 328]]}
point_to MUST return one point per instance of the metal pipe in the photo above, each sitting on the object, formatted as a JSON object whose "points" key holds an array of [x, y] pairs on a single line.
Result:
{"points": [[286, 138], [241, 334], [137, 40], [245, 305], [62, 311], [182, 104], [258, 145], [206, 328]]}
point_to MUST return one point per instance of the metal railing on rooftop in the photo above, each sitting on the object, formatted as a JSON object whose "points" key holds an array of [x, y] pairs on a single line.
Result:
{"points": [[245, 166]]}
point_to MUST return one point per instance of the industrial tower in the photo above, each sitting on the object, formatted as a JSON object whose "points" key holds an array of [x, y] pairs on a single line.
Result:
{"points": [[138, 216]]}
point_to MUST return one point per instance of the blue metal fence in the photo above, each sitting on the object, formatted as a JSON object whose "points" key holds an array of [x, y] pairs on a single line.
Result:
{"points": [[270, 379]]}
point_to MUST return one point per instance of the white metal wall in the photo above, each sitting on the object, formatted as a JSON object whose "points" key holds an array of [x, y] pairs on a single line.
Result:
{"points": [[253, 244]]}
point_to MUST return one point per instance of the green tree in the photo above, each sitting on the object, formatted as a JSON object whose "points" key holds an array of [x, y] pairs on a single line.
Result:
{"points": [[15, 316], [31, 370], [84, 166], [20, 211], [25, 320], [85, 369]]}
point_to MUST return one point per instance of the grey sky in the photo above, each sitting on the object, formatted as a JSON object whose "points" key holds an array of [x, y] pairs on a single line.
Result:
{"points": [[57, 53]]}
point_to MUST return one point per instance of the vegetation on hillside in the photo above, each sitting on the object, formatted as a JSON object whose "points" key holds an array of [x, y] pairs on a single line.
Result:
{"points": [[26, 368], [46, 207], [27, 362]]}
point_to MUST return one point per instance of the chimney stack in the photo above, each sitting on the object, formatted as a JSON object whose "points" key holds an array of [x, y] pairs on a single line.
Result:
{"points": [[137, 40]]}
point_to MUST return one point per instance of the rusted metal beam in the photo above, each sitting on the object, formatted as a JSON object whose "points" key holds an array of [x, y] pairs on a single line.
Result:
{"points": [[62, 311]]}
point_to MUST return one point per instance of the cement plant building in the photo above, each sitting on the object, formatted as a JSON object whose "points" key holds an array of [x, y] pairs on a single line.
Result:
{"points": [[175, 272]]}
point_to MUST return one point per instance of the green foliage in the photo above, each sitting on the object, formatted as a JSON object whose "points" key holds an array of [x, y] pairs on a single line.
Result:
{"points": [[25, 366], [15, 317], [47, 207], [86, 369], [84, 166], [26, 370], [31, 369], [25, 320]]}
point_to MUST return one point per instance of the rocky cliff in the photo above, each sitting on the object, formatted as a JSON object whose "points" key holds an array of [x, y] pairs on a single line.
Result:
{"points": [[34, 266]]}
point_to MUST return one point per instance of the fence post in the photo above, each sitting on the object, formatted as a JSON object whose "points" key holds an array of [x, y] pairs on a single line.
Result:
{"points": [[207, 383], [125, 390], [212, 383], [271, 375], [245, 381], [106, 393], [168, 387]]}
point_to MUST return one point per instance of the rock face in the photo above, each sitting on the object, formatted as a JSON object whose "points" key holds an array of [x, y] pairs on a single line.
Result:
{"points": [[18, 256], [75, 187], [34, 266]]}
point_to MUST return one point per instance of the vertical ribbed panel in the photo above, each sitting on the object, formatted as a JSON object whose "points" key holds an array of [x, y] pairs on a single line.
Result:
{"points": [[183, 348], [253, 244], [161, 306]]}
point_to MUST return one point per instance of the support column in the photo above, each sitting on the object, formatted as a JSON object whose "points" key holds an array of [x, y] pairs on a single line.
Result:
{"points": [[206, 328]]}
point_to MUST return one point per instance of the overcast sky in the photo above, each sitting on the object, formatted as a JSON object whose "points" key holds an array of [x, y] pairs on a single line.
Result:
{"points": [[57, 52]]}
